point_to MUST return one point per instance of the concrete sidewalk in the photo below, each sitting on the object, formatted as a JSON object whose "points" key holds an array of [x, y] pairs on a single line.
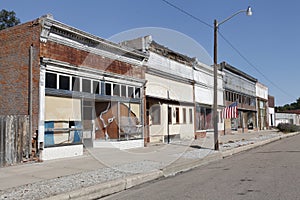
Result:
{"points": [[101, 172]]}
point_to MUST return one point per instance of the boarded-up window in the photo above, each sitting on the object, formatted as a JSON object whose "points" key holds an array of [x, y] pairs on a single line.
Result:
{"points": [[135, 109], [62, 109]]}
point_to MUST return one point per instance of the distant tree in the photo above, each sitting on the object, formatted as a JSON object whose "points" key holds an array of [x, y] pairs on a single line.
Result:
{"points": [[8, 19], [292, 106]]}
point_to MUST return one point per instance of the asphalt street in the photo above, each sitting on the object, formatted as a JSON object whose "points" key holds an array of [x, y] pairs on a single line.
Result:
{"points": [[268, 172]]}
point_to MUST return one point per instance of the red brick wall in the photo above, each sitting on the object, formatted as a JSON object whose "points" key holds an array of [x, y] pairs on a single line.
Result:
{"points": [[82, 58], [15, 43], [271, 101]]}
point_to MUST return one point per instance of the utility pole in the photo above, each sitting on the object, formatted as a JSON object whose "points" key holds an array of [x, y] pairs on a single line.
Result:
{"points": [[215, 106]]}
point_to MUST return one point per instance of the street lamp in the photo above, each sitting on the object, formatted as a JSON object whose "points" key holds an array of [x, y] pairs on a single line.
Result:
{"points": [[215, 103]]}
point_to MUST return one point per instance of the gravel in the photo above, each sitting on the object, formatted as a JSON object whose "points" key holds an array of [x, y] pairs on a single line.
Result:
{"points": [[244, 142], [195, 154], [51, 187]]}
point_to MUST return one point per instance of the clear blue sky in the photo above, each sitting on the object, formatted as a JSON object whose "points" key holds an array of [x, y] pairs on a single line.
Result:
{"points": [[269, 39]]}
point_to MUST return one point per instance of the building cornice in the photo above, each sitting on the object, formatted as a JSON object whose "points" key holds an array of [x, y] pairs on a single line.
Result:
{"points": [[226, 66], [58, 32]]}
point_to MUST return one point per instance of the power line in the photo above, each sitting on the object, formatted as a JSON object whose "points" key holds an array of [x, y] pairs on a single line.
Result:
{"points": [[187, 13], [253, 66], [231, 45]]}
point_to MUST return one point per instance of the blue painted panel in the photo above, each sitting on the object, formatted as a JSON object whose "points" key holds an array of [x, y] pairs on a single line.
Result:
{"points": [[77, 134], [49, 135]]}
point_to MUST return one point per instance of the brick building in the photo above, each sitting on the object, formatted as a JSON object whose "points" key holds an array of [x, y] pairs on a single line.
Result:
{"points": [[75, 86]]}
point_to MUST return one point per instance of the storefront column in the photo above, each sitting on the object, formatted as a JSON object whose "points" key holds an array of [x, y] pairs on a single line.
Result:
{"points": [[41, 128]]}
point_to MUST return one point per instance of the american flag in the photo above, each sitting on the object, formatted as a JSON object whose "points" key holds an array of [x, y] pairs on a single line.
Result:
{"points": [[230, 111]]}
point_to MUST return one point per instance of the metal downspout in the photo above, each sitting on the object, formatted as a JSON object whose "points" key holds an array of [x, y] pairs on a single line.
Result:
{"points": [[30, 97]]}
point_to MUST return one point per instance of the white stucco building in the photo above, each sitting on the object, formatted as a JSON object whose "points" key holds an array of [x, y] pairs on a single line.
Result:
{"points": [[204, 96], [262, 93], [169, 92]]}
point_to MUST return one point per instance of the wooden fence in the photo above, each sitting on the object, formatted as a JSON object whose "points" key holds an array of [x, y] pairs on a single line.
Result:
{"points": [[15, 139]]}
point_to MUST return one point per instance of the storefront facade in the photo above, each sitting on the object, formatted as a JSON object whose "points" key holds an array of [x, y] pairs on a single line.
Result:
{"points": [[91, 93], [169, 92], [262, 106], [204, 91], [241, 88]]}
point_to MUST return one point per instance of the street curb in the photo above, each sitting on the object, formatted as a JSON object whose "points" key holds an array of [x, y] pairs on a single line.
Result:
{"points": [[107, 188], [174, 169], [233, 151], [118, 185], [138, 179]]}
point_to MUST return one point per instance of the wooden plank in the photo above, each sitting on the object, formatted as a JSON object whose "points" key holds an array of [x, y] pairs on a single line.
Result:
{"points": [[8, 148], [19, 139], [15, 139], [26, 144]]}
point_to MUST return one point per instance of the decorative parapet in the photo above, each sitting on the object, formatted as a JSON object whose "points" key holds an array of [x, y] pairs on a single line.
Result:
{"points": [[46, 27], [58, 32]]}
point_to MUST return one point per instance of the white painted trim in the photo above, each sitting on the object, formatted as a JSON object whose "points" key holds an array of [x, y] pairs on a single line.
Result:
{"points": [[130, 144], [51, 153], [41, 128], [61, 67]]}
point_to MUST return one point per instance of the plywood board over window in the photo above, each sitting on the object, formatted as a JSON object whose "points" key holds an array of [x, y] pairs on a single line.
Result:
{"points": [[62, 109], [135, 109]]}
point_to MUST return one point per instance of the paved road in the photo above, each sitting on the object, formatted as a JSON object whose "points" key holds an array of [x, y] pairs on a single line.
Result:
{"points": [[268, 172]]}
